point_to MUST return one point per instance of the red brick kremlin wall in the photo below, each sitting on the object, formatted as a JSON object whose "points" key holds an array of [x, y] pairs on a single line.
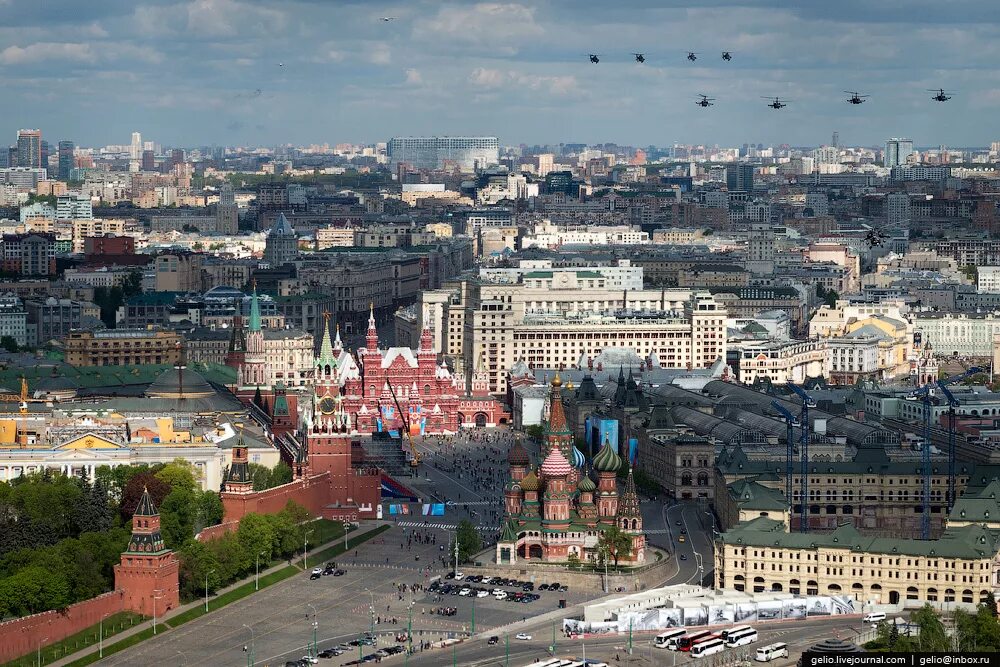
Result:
{"points": [[21, 636]]}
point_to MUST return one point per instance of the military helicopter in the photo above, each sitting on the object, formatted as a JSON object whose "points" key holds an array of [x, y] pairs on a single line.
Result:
{"points": [[940, 97], [875, 237], [639, 58], [692, 56], [594, 58], [855, 98], [775, 102], [727, 56], [705, 101]]}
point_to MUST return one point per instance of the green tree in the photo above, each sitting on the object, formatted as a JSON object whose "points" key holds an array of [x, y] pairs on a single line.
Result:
{"points": [[469, 542], [177, 516], [178, 474], [256, 536], [616, 543], [34, 589], [933, 637], [132, 492], [536, 431], [8, 343], [210, 510]]}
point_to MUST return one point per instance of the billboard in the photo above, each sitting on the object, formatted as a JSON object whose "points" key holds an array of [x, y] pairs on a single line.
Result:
{"points": [[633, 450], [604, 430]]}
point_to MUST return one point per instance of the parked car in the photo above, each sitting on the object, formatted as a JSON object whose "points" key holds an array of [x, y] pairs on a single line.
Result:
{"points": [[316, 573], [523, 636], [493, 641], [458, 576]]}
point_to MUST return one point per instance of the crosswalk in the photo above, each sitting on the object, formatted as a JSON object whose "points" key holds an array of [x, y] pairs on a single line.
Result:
{"points": [[442, 526]]}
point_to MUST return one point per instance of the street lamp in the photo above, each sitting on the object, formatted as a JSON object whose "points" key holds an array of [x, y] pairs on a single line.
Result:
{"points": [[206, 588], [371, 611], [100, 641], [305, 549], [155, 597], [40, 642], [315, 627], [256, 583], [252, 653]]}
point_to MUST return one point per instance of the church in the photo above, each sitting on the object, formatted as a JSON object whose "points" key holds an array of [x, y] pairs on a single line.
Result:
{"points": [[557, 512]]}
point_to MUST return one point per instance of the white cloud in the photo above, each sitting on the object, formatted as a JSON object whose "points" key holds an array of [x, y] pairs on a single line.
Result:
{"points": [[413, 77], [494, 24], [378, 53], [209, 18], [44, 51], [484, 77]]}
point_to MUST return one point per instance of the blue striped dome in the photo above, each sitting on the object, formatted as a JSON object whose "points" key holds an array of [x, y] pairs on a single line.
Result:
{"points": [[579, 460]]}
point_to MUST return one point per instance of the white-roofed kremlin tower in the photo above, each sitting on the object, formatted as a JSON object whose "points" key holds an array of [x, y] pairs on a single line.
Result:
{"points": [[558, 510]]}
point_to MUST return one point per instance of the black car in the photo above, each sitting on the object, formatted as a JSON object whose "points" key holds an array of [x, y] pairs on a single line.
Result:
{"points": [[684, 557], [528, 587], [678, 523], [339, 573], [543, 587], [554, 586], [314, 575], [492, 640]]}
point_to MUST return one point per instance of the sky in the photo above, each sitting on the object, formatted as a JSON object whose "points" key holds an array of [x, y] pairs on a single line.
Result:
{"points": [[267, 72]]}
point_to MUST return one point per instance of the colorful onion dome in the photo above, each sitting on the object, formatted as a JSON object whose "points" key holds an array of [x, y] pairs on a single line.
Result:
{"points": [[530, 482], [586, 484], [518, 455], [607, 460], [555, 464], [579, 460]]}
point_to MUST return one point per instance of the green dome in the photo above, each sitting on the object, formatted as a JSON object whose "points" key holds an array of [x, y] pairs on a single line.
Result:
{"points": [[607, 460], [530, 482], [586, 485]]}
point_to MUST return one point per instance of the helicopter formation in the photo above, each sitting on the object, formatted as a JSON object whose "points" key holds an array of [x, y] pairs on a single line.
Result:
{"points": [[855, 98], [641, 57]]}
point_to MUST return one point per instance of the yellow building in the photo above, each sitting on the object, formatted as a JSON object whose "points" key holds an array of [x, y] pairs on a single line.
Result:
{"points": [[122, 347]]}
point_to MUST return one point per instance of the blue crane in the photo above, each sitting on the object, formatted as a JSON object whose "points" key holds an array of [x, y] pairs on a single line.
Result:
{"points": [[926, 396], [807, 402], [791, 421]]}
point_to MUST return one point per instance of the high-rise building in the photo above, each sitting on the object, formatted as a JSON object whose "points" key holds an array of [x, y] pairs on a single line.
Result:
{"points": [[760, 249], [896, 151], [135, 150], [836, 140], [897, 208], [281, 244], [74, 206], [466, 153], [739, 177], [227, 213], [65, 159], [148, 161], [29, 148], [176, 157]]}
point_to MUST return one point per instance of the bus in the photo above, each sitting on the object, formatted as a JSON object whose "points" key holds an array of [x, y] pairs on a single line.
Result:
{"points": [[733, 630], [708, 647], [684, 643], [769, 653], [741, 637], [669, 638]]}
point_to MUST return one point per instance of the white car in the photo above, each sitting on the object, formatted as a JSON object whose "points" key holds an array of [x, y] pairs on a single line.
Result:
{"points": [[459, 576], [482, 593], [502, 595], [487, 580], [496, 591], [465, 592], [524, 636], [311, 660]]}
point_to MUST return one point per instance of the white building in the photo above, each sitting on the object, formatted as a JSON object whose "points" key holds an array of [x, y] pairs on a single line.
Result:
{"points": [[13, 319], [988, 279], [74, 206], [962, 334], [780, 361], [621, 276]]}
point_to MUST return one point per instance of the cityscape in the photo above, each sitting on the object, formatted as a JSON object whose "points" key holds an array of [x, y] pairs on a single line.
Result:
{"points": [[466, 356]]}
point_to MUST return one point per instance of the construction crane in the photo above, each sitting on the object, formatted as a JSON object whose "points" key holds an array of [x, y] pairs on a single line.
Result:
{"points": [[415, 456], [21, 399], [405, 418], [807, 402], [791, 421], [926, 396]]}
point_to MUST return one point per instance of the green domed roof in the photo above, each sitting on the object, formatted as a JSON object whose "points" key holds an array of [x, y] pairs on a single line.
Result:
{"points": [[607, 460], [530, 482], [586, 484]]}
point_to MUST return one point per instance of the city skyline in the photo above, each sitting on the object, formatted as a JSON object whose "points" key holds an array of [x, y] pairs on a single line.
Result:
{"points": [[262, 72]]}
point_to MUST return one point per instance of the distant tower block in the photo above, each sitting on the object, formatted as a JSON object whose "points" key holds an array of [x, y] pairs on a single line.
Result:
{"points": [[836, 140]]}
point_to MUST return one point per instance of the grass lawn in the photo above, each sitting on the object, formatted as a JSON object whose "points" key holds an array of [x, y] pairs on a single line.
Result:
{"points": [[240, 592], [88, 637]]}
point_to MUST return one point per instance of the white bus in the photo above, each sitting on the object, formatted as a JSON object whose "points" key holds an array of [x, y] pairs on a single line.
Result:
{"points": [[769, 653], [741, 637], [733, 630], [669, 638], [708, 647]]}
